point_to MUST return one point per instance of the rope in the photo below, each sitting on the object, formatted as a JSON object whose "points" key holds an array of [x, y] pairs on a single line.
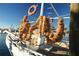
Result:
{"points": [[54, 10], [65, 15]]}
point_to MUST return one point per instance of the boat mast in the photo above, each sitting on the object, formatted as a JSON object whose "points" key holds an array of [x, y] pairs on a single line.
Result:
{"points": [[42, 8]]}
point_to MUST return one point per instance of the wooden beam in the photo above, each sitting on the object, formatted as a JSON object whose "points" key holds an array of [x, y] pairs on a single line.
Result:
{"points": [[74, 29]]}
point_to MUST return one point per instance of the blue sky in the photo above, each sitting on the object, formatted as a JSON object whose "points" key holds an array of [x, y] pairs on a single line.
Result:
{"points": [[12, 14]]}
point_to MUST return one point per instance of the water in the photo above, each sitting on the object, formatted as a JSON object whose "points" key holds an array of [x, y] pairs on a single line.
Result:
{"points": [[3, 48]]}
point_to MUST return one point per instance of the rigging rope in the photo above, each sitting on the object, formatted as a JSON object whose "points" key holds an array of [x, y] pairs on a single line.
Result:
{"points": [[54, 10]]}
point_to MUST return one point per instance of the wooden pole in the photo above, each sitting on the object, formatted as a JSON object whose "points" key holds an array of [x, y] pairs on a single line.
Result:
{"points": [[74, 29]]}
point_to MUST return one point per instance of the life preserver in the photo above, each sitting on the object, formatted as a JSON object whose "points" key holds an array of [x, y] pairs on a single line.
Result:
{"points": [[32, 12]]}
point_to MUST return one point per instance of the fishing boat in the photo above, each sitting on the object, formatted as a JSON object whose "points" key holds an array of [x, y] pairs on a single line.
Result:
{"points": [[38, 45]]}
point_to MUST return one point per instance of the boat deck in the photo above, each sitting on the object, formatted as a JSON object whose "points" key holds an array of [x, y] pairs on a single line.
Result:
{"points": [[55, 51]]}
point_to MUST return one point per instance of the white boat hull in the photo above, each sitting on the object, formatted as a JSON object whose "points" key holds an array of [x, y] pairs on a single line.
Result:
{"points": [[18, 50]]}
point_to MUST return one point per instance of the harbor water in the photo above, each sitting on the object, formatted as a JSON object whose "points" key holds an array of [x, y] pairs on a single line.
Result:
{"points": [[3, 48]]}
